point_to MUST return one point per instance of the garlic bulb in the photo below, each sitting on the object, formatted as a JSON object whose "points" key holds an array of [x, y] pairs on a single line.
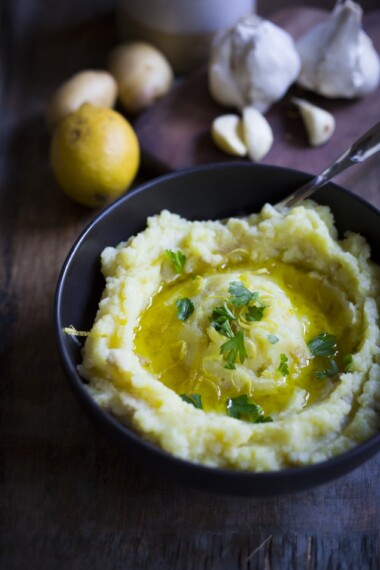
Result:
{"points": [[252, 64], [338, 58]]}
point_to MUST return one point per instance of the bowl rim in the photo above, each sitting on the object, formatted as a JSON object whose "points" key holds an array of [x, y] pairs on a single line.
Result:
{"points": [[365, 448]]}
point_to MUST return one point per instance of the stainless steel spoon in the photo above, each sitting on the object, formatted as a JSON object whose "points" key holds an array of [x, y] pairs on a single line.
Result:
{"points": [[367, 145]]}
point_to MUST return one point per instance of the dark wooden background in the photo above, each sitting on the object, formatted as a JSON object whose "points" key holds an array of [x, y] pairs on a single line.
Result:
{"points": [[68, 499]]}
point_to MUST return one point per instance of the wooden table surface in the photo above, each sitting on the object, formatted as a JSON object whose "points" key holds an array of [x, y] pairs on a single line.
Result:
{"points": [[68, 499]]}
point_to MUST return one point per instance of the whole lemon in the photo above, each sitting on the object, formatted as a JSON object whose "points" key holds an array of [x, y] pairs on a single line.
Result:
{"points": [[95, 155]]}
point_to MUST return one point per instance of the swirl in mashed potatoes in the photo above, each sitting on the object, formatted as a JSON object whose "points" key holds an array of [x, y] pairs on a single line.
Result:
{"points": [[259, 350]]}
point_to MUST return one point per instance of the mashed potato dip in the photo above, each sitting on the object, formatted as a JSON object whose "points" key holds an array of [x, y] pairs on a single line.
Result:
{"points": [[248, 344]]}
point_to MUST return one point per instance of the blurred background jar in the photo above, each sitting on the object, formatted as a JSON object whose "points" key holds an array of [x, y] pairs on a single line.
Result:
{"points": [[181, 29]]}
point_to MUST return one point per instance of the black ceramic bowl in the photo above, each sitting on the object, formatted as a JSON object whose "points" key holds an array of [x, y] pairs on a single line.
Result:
{"points": [[210, 192]]}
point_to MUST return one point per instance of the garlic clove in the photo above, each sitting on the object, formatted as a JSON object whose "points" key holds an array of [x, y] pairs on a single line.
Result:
{"points": [[338, 58], [258, 134], [222, 83], [319, 123], [227, 134], [252, 64]]}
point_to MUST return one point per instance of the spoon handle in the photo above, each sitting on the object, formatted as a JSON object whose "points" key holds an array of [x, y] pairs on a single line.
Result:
{"points": [[367, 145]]}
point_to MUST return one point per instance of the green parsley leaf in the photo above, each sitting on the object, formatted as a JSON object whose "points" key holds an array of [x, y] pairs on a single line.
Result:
{"points": [[185, 308], [232, 349], [273, 338], [347, 362], [178, 259], [221, 318], [283, 368], [225, 321], [328, 372], [255, 313], [223, 327], [240, 408], [264, 420], [322, 345], [241, 295], [223, 311], [194, 399]]}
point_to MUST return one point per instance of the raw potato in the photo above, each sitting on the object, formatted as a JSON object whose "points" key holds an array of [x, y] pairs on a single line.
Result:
{"points": [[227, 134], [143, 75], [89, 86], [319, 124], [258, 133]]}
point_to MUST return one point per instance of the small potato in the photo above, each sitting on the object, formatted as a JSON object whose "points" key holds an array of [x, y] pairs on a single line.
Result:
{"points": [[96, 87], [143, 75]]}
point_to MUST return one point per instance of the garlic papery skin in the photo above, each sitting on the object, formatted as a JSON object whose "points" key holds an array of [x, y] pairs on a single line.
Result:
{"points": [[252, 64], [258, 134], [338, 57], [319, 123]]}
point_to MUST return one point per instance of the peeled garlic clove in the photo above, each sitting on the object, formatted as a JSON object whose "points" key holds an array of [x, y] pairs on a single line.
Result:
{"points": [[252, 64], [258, 134], [319, 124], [227, 134], [338, 58]]}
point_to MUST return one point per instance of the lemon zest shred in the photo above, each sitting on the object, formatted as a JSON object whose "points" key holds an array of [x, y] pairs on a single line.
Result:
{"points": [[72, 331], [243, 323], [208, 375], [183, 349], [238, 250]]}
